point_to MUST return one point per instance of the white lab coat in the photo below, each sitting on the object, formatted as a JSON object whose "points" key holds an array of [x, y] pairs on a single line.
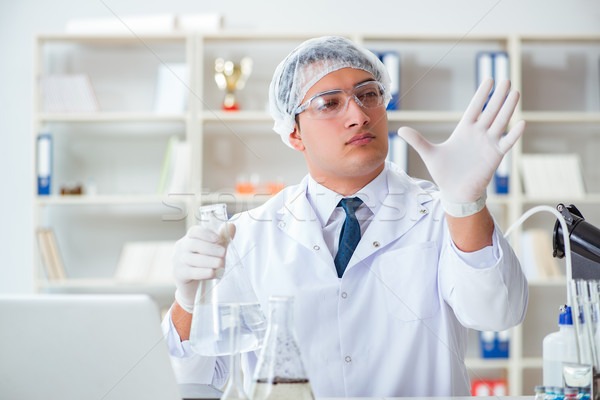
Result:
{"points": [[394, 324]]}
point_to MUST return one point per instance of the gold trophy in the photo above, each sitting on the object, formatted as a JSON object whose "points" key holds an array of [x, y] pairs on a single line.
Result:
{"points": [[231, 77]]}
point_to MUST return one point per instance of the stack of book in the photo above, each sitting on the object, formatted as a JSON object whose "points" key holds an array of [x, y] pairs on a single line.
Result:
{"points": [[51, 258], [65, 93], [145, 261], [552, 175]]}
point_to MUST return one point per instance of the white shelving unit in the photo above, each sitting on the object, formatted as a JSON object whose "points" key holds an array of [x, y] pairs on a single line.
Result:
{"points": [[120, 147], [124, 144]]}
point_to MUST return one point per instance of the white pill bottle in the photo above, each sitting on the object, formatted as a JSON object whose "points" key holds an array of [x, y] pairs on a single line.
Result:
{"points": [[558, 348]]}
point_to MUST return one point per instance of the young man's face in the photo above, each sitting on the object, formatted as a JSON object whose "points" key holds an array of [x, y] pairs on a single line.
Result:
{"points": [[350, 145]]}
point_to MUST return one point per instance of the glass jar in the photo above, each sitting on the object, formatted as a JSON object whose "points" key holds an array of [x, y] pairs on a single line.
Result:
{"points": [[279, 372]]}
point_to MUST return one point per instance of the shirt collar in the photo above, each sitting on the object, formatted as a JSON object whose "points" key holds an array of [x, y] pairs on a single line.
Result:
{"points": [[324, 201]]}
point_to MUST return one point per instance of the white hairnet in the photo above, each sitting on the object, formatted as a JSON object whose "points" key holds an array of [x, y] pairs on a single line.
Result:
{"points": [[306, 65]]}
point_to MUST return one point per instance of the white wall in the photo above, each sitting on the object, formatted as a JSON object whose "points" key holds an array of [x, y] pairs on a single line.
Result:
{"points": [[20, 20]]}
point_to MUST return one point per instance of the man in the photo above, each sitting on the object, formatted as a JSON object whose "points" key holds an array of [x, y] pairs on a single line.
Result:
{"points": [[386, 316]]}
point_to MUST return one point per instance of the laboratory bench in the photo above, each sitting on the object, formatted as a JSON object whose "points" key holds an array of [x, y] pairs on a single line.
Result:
{"points": [[424, 398]]}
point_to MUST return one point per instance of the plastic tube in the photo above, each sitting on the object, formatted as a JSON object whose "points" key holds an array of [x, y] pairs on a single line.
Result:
{"points": [[565, 230], [571, 298]]}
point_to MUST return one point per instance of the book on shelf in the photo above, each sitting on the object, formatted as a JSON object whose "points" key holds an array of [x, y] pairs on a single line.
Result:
{"points": [[489, 387], [64, 93], [494, 344], [44, 163], [398, 151], [50, 254], [552, 175], [172, 88], [492, 64], [500, 183], [174, 175], [536, 255], [145, 261], [502, 175], [495, 65], [391, 61]]}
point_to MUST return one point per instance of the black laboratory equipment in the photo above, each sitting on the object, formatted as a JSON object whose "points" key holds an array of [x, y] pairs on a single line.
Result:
{"points": [[585, 243], [582, 293]]}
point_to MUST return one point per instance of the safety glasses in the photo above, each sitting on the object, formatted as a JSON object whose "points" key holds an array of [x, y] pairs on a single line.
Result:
{"points": [[332, 103]]}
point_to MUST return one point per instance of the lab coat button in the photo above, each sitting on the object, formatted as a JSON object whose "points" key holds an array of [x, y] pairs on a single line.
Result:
{"points": [[348, 359], [423, 211], [344, 295], [376, 244], [316, 247], [282, 224]]}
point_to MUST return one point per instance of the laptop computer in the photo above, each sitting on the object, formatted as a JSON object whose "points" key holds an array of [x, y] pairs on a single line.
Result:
{"points": [[107, 347]]}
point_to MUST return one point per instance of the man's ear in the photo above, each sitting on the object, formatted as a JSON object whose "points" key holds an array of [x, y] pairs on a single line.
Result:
{"points": [[296, 140]]}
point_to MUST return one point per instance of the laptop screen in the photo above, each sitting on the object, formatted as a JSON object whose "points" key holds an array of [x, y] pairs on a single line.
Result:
{"points": [[83, 347]]}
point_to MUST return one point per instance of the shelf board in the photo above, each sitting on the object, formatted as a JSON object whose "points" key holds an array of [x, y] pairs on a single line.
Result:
{"points": [[161, 292], [110, 38], [150, 199], [111, 117], [592, 198], [552, 282], [559, 38], [416, 116], [487, 363], [503, 363], [231, 198], [531, 362], [393, 116], [209, 198], [236, 116], [105, 284], [424, 116], [433, 37], [259, 198], [498, 199], [244, 35], [561, 116]]}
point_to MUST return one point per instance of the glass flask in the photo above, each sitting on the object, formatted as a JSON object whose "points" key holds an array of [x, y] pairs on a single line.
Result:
{"points": [[279, 372], [212, 318], [234, 390]]}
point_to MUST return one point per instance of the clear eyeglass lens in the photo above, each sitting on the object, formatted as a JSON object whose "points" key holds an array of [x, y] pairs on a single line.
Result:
{"points": [[332, 103]]}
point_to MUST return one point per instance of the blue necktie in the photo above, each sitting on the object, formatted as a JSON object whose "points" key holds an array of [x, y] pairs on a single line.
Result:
{"points": [[350, 235]]}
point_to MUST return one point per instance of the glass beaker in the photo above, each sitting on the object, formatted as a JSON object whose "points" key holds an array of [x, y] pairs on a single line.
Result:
{"points": [[212, 318], [279, 372], [234, 390]]}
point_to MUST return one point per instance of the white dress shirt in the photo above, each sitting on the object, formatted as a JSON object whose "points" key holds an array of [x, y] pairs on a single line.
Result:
{"points": [[395, 323]]}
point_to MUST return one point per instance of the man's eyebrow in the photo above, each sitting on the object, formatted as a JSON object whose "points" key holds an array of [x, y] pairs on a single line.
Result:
{"points": [[365, 81], [355, 85]]}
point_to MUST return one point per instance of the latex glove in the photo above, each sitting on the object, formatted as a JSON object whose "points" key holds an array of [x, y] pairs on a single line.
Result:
{"points": [[464, 164], [198, 256]]}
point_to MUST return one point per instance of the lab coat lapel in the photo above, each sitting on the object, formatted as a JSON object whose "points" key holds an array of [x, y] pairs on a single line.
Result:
{"points": [[299, 221], [403, 207]]}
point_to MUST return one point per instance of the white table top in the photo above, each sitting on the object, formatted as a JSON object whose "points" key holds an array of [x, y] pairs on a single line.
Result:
{"points": [[425, 398], [198, 391]]}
